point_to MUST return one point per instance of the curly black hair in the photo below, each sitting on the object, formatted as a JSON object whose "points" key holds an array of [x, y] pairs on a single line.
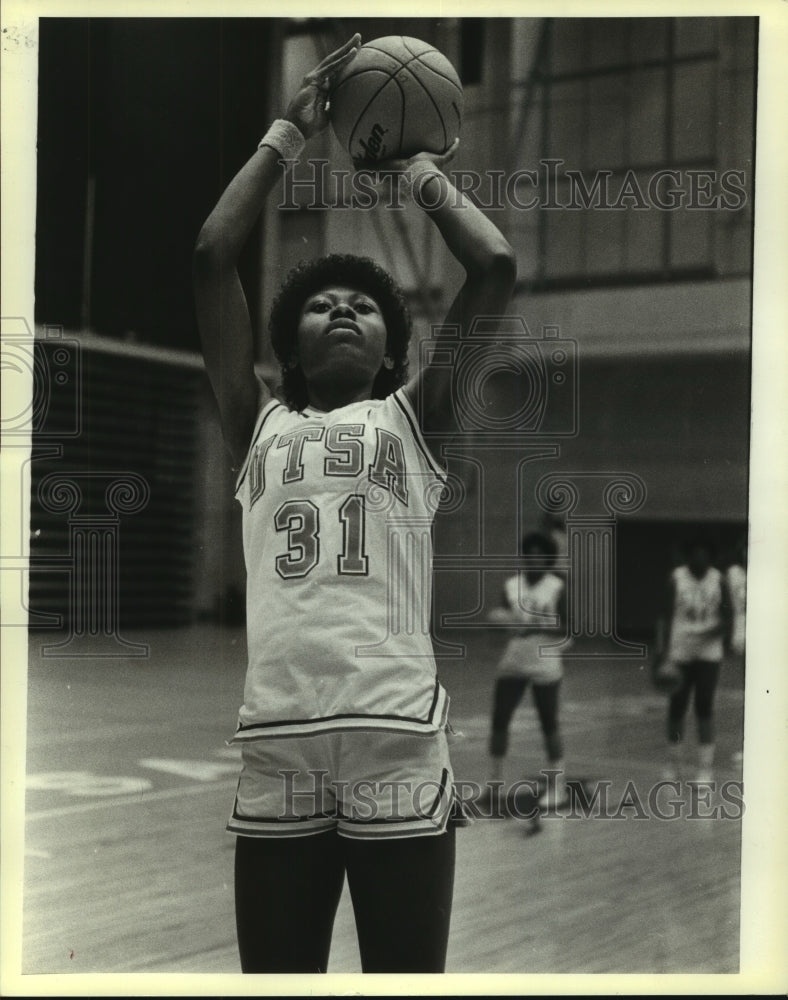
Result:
{"points": [[309, 277], [538, 539], [699, 540]]}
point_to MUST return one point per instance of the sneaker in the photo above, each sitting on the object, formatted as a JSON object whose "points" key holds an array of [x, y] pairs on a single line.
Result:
{"points": [[705, 771], [674, 767]]}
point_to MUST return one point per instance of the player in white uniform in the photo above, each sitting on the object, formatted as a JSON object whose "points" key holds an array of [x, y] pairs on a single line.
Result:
{"points": [[694, 635], [345, 760], [534, 600], [736, 577]]}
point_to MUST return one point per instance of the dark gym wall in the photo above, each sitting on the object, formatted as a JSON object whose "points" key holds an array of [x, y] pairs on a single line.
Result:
{"points": [[135, 103]]}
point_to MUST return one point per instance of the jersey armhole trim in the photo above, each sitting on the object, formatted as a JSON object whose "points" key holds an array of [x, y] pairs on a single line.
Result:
{"points": [[401, 399], [262, 416]]}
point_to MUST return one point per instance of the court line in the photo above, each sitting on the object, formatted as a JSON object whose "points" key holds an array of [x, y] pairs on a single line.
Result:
{"points": [[478, 723], [133, 800]]}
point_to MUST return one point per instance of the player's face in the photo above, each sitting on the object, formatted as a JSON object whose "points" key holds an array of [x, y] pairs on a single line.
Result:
{"points": [[535, 551], [699, 560], [341, 339]]}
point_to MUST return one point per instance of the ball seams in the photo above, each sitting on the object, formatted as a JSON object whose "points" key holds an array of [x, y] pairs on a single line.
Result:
{"points": [[392, 73]]}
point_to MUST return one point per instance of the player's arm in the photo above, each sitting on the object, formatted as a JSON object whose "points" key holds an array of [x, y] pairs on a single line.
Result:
{"points": [[563, 614], [222, 312], [662, 632], [503, 614], [490, 274], [726, 615]]}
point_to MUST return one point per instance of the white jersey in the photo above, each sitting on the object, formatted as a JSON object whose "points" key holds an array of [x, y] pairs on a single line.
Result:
{"points": [[337, 517], [535, 607], [736, 577], [695, 632]]}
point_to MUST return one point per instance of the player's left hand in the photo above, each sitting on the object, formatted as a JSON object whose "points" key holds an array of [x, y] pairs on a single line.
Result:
{"points": [[500, 616], [307, 110]]}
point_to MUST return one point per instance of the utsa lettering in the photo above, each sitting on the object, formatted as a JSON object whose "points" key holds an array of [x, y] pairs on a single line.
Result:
{"points": [[319, 532], [345, 445], [257, 469], [344, 440], [388, 469], [294, 442]]}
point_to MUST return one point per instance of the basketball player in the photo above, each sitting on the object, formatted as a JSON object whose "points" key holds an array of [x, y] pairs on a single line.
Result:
{"points": [[694, 633], [534, 600], [554, 525], [345, 763], [736, 577]]}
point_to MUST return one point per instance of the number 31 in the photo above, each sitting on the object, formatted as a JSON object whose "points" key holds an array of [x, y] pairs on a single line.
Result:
{"points": [[301, 520]]}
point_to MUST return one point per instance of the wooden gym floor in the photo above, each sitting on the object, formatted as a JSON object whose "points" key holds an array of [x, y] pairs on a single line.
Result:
{"points": [[128, 868]]}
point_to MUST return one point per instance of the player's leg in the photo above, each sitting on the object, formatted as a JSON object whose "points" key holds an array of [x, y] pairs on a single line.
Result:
{"points": [[708, 673], [677, 710], [287, 887], [287, 891], [402, 897], [546, 699], [507, 696]]}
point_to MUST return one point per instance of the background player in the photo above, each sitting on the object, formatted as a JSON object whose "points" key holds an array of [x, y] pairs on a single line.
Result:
{"points": [[736, 578], [534, 600], [694, 633], [318, 557]]}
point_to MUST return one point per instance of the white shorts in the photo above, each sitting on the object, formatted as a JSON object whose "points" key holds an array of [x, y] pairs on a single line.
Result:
{"points": [[522, 658], [366, 785]]}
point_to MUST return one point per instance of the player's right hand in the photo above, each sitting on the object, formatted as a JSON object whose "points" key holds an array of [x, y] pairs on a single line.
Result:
{"points": [[665, 675], [499, 616], [307, 110]]}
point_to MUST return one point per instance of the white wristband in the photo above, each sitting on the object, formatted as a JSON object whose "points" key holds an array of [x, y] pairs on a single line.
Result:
{"points": [[285, 138]]}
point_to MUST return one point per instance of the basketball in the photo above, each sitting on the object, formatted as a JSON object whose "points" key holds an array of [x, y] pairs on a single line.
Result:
{"points": [[398, 97]]}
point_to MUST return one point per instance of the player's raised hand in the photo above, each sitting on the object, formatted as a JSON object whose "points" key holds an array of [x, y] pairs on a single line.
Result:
{"points": [[415, 163], [307, 110], [438, 160]]}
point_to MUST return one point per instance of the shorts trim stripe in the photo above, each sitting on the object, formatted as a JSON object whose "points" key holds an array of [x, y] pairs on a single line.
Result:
{"points": [[407, 828], [436, 720], [284, 826], [437, 814], [278, 828]]}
